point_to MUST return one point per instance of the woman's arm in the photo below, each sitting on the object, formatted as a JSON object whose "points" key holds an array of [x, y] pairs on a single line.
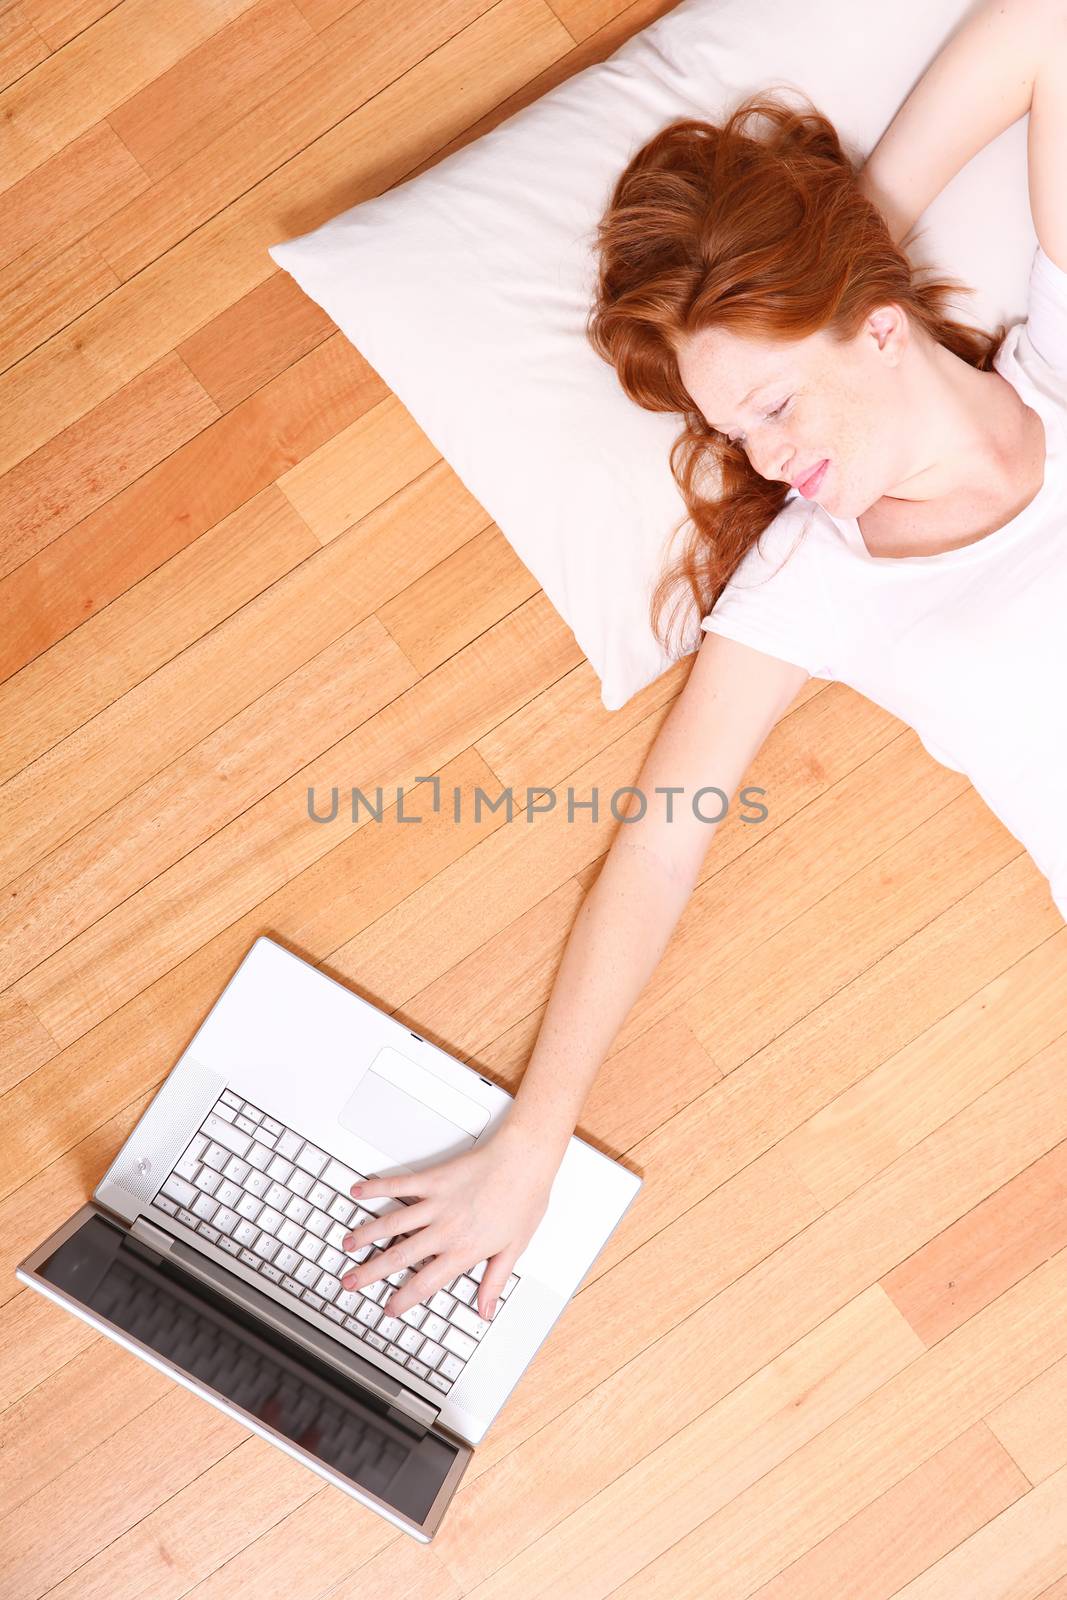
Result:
{"points": [[1009, 57]]}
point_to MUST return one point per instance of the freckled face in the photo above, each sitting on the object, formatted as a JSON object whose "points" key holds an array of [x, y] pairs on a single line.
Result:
{"points": [[810, 399]]}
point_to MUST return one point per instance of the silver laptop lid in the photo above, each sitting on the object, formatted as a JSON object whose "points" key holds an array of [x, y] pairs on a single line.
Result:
{"points": [[351, 1436]]}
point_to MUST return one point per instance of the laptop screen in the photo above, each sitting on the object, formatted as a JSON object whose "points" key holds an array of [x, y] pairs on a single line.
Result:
{"points": [[350, 1430]]}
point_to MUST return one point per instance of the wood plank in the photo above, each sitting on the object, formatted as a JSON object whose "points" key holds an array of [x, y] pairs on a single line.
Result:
{"points": [[215, 84], [226, 256], [120, 646], [251, 342], [56, 204], [41, 298], [25, 1042], [21, 46], [83, 468], [72, 89], [224, 465]]}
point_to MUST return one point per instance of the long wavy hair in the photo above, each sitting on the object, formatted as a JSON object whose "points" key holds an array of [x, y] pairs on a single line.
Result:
{"points": [[712, 227]]}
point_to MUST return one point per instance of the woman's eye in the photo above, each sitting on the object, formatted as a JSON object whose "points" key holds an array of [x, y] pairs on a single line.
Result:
{"points": [[739, 439]]}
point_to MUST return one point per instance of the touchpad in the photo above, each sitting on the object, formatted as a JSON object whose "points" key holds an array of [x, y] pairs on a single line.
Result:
{"points": [[431, 1122]]}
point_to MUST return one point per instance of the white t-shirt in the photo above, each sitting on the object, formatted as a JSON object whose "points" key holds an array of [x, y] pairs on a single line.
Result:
{"points": [[969, 647]]}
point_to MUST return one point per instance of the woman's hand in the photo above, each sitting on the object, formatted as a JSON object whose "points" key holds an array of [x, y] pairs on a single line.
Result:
{"points": [[483, 1205]]}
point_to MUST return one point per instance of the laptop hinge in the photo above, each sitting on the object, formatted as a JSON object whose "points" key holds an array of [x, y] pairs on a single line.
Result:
{"points": [[350, 1362]]}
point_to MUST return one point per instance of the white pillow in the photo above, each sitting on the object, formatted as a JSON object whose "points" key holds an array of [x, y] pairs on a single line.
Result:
{"points": [[468, 287]]}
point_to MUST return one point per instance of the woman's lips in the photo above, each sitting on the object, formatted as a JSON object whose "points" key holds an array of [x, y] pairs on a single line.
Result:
{"points": [[810, 485]]}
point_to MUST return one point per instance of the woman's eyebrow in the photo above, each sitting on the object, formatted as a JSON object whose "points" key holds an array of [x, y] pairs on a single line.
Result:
{"points": [[745, 401]]}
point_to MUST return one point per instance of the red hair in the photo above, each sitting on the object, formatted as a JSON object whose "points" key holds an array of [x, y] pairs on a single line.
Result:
{"points": [[709, 226]]}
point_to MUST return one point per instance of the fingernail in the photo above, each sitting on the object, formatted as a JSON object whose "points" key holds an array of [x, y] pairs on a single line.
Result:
{"points": [[492, 1307], [355, 1189]]}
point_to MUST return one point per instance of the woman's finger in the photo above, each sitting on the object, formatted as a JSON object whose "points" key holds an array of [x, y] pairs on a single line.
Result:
{"points": [[395, 1183], [421, 1286], [408, 1217], [391, 1260]]}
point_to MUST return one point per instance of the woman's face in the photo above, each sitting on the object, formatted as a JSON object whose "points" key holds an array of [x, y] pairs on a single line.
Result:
{"points": [[810, 400]]}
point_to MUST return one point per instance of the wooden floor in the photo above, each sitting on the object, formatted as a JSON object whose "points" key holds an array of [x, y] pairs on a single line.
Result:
{"points": [[825, 1355]]}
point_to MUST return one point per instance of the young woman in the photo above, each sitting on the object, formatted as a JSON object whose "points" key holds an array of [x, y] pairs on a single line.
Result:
{"points": [[891, 513]]}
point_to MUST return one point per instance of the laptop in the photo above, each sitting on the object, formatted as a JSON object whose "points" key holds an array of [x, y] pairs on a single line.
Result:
{"points": [[213, 1245]]}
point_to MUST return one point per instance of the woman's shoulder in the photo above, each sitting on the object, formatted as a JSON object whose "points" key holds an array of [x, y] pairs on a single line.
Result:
{"points": [[793, 541], [1036, 348]]}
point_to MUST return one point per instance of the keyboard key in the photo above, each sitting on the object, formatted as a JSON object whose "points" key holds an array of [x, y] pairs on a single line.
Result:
{"points": [[433, 1326], [245, 1233], [441, 1303], [290, 1232], [166, 1205], [339, 1177], [463, 1317], [465, 1289], [189, 1162], [311, 1159], [204, 1207], [252, 1113], [408, 1338], [227, 1113], [322, 1196], [242, 1122], [257, 1183], [277, 1196], [236, 1170], [431, 1353], [312, 1300], [258, 1156], [225, 1220], [461, 1344], [307, 1273], [230, 1099], [271, 1272], [267, 1247], [375, 1340], [310, 1246], [249, 1259], [333, 1313], [298, 1210], [225, 1133], [347, 1300], [368, 1314], [265, 1138], [280, 1170], [288, 1144], [300, 1182], [249, 1206], [318, 1223], [286, 1259], [438, 1382], [341, 1209], [330, 1260], [293, 1287], [179, 1189], [207, 1180], [336, 1236], [215, 1156], [269, 1220], [390, 1327], [227, 1193], [188, 1218], [230, 1246], [327, 1286], [209, 1233], [272, 1126]]}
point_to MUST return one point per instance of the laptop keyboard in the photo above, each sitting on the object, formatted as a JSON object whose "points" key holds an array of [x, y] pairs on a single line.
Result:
{"points": [[267, 1196]]}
